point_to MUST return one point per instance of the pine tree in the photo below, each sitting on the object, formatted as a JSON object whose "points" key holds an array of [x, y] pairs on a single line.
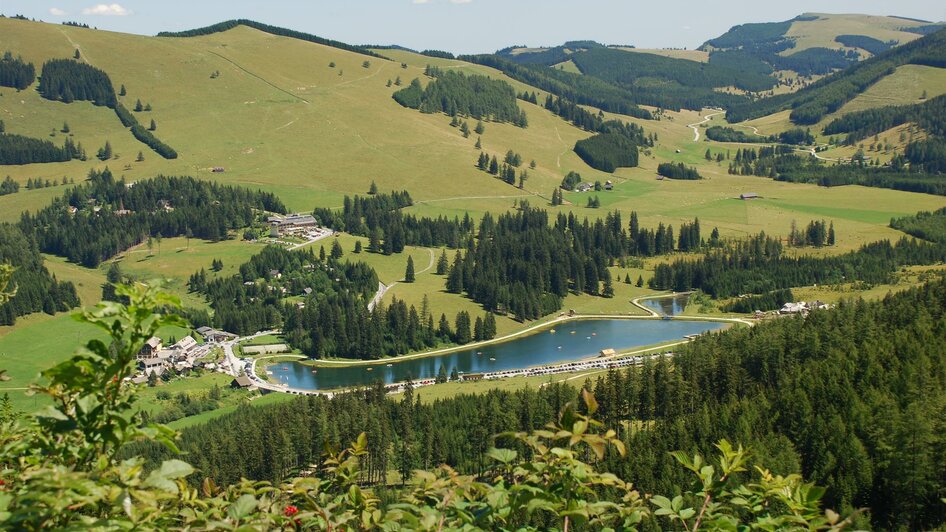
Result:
{"points": [[138, 106], [489, 326], [357, 246], [640, 281], [708, 156], [480, 128], [463, 333], [65, 127], [153, 126], [409, 272], [479, 143], [336, 252], [443, 328], [373, 189], [831, 235], [122, 92], [321, 253], [3, 127], [494, 166], [441, 375], [627, 278], [140, 157], [77, 55], [442, 263]]}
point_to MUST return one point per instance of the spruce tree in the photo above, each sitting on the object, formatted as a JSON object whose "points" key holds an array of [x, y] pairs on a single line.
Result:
{"points": [[153, 126], [336, 252], [409, 272], [122, 91], [489, 326], [357, 246], [138, 106], [373, 189], [77, 55], [479, 143], [442, 263]]}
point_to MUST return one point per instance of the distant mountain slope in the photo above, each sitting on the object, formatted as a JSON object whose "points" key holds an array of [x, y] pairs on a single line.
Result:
{"points": [[307, 121], [812, 43], [813, 103], [273, 30]]}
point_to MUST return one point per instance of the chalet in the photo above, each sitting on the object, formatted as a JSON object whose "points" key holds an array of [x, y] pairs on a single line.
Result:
{"points": [[660, 178], [607, 352], [307, 291], [608, 185], [217, 169], [185, 345], [213, 335], [150, 349], [748, 196], [243, 382], [794, 308], [275, 274], [584, 187], [153, 365], [72, 210], [472, 376]]}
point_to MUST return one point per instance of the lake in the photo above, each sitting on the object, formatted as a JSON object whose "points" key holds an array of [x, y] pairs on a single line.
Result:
{"points": [[571, 341], [667, 306]]}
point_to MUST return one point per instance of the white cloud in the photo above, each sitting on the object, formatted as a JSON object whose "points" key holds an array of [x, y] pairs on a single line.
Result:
{"points": [[460, 1], [57, 12], [420, 1], [107, 10]]}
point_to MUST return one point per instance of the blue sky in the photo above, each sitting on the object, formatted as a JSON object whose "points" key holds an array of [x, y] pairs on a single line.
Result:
{"points": [[466, 26]]}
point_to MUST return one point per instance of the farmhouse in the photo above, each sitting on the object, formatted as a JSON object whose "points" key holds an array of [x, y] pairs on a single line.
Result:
{"points": [[748, 196], [608, 185], [608, 352], [584, 187]]}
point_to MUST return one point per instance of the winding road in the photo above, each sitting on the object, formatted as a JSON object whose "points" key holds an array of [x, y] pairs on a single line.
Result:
{"points": [[383, 288], [696, 125]]}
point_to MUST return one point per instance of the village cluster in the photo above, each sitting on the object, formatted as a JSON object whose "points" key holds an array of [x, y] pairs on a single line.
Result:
{"points": [[184, 355]]}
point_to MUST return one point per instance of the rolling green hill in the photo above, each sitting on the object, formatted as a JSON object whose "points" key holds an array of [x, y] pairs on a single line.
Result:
{"points": [[275, 115]]}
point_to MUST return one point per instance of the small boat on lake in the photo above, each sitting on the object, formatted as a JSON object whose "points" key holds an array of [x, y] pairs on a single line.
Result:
{"points": [[492, 359], [389, 365], [370, 369]]}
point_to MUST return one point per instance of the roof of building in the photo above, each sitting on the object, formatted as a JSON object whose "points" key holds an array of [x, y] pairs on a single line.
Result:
{"points": [[243, 381], [153, 361], [186, 343], [154, 342]]}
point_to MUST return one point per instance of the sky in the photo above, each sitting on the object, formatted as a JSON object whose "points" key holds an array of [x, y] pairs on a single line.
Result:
{"points": [[466, 26]]}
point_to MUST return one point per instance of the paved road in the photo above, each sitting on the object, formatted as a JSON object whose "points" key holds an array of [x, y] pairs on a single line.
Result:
{"points": [[230, 358], [313, 240]]}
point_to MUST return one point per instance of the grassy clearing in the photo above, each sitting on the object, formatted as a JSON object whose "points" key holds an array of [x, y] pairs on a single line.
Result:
{"points": [[821, 33], [691, 55], [905, 86]]}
